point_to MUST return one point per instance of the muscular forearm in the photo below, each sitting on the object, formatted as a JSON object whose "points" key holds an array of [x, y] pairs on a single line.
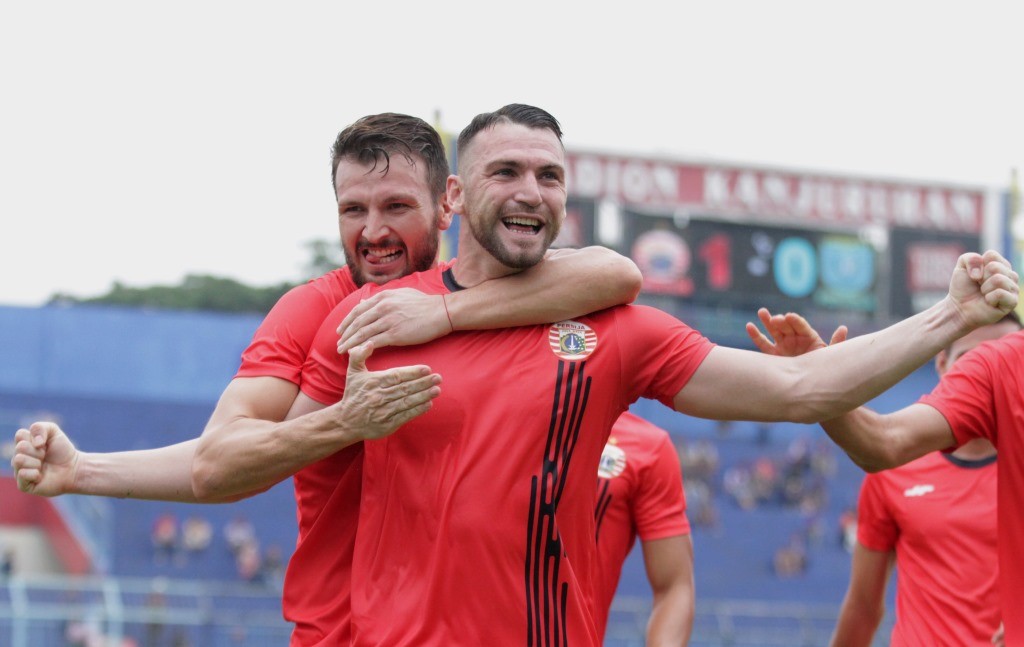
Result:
{"points": [[839, 378], [878, 442], [671, 618], [245, 455], [162, 474], [568, 283], [819, 385]]}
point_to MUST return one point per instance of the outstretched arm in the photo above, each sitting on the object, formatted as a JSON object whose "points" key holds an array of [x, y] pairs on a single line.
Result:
{"points": [[47, 463], [832, 381], [864, 604], [251, 443], [873, 441], [669, 565], [567, 283]]}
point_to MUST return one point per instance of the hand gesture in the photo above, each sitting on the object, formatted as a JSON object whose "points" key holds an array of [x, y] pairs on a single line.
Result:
{"points": [[400, 317], [984, 288], [377, 403], [45, 461], [791, 333]]}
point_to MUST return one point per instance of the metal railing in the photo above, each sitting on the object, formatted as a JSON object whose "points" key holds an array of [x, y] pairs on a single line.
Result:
{"points": [[54, 610]]}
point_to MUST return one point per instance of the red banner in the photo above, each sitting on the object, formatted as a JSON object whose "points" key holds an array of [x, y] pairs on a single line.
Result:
{"points": [[773, 196]]}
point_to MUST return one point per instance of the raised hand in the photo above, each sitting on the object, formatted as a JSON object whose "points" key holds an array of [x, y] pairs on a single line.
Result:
{"points": [[45, 460], [377, 403], [400, 317], [984, 288], [790, 334]]}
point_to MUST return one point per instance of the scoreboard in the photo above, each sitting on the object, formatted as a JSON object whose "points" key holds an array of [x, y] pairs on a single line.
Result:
{"points": [[716, 236]]}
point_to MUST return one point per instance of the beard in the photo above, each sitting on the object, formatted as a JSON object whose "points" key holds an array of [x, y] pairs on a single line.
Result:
{"points": [[419, 257], [519, 259]]}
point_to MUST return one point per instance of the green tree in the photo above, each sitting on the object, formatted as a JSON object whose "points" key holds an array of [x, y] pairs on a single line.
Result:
{"points": [[213, 293]]}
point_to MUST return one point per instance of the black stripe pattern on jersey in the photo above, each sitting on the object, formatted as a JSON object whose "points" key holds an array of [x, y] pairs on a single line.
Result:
{"points": [[546, 593], [604, 499]]}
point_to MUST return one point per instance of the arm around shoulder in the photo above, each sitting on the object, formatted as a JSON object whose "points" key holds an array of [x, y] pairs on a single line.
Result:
{"points": [[567, 283]]}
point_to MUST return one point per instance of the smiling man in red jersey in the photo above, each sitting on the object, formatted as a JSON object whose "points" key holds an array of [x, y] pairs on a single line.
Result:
{"points": [[476, 523], [389, 173]]}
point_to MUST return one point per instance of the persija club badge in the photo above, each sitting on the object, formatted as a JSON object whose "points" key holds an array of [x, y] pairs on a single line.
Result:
{"points": [[572, 340]]}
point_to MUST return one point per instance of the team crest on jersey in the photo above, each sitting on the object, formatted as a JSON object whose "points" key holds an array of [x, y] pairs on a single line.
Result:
{"points": [[572, 340], [613, 462]]}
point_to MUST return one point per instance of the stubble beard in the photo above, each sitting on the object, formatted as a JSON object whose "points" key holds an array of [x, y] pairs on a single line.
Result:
{"points": [[419, 258], [520, 259]]}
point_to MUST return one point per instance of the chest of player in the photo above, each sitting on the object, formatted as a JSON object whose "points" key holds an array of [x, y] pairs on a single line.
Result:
{"points": [[523, 416], [945, 501]]}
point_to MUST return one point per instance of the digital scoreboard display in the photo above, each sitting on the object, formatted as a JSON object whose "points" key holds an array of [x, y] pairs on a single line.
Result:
{"points": [[719, 263]]}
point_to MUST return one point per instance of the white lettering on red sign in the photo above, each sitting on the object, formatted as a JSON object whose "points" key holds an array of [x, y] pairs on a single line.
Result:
{"points": [[753, 194]]}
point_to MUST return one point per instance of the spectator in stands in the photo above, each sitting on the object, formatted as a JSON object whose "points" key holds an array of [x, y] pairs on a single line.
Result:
{"points": [[196, 534], [791, 558], [239, 533], [165, 538], [249, 561]]}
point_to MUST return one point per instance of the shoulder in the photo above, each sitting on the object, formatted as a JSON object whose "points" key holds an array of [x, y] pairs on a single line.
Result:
{"points": [[326, 290], [431, 281], [641, 436]]}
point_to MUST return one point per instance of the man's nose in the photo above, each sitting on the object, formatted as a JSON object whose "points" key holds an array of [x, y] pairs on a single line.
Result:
{"points": [[376, 227], [528, 191]]}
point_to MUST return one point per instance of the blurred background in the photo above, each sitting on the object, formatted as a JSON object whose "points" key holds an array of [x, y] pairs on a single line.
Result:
{"points": [[166, 179]]}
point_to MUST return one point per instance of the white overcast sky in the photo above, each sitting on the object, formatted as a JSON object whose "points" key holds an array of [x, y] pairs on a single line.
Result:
{"points": [[140, 141]]}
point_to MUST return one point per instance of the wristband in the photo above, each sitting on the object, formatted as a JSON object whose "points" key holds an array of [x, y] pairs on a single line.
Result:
{"points": [[445, 302]]}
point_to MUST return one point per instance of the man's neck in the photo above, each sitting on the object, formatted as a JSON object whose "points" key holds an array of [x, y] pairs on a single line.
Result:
{"points": [[476, 265], [976, 449]]}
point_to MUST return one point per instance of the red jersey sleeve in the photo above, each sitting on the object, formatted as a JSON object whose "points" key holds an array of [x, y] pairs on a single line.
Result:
{"points": [[669, 352], [659, 508], [876, 528], [281, 343], [964, 397], [323, 374]]}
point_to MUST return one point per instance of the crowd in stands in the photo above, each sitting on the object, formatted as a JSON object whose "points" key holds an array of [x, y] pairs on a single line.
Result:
{"points": [[797, 479], [177, 543]]}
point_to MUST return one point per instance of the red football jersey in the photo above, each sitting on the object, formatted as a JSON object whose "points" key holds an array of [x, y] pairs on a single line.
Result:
{"points": [[639, 492], [279, 349], [938, 514], [982, 396], [476, 522]]}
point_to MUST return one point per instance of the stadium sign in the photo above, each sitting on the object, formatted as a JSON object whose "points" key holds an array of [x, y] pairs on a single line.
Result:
{"points": [[753, 194]]}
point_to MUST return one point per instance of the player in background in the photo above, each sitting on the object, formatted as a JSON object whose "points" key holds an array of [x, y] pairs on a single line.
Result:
{"points": [[640, 494], [389, 173], [526, 412], [934, 518]]}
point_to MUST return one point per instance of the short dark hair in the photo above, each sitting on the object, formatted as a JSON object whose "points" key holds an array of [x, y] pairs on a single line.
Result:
{"points": [[374, 138], [513, 113]]}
